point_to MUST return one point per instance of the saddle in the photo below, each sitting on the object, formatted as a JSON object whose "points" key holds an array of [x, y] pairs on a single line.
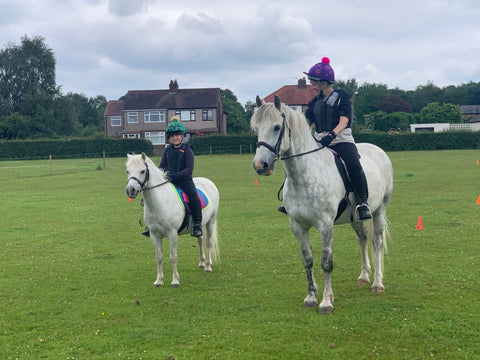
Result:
{"points": [[185, 201], [342, 169]]}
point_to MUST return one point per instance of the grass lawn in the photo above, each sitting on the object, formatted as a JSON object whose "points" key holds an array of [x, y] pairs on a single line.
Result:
{"points": [[76, 275]]}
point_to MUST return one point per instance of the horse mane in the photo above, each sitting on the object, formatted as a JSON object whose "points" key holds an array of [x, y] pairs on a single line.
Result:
{"points": [[151, 165], [268, 112]]}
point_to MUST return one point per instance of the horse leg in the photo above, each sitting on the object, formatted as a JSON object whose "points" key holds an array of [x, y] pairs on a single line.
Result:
{"points": [[380, 223], [307, 258], [362, 239], [173, 237], [157, 242], [326, 306], [210, 229], [201, 264]]}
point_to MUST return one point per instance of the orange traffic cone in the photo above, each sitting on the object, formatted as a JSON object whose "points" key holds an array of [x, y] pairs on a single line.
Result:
{"points": [[478, 201], [419, 223], [477, 162], [256, 182]]}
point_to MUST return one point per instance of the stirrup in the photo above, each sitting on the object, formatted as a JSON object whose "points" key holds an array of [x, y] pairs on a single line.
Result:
{"points": [[282, 209], [146, 232], [363, 212]]}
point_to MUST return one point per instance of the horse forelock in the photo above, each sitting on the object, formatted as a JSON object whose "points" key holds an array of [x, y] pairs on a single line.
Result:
{"points": [[137, 161]]}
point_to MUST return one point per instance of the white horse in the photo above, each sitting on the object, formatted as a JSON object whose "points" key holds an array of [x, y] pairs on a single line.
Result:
{"points": [[164, 213], [314, 188]]}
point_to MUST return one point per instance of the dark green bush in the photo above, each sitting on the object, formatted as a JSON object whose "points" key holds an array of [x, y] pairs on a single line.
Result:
{"points": [[231, 144]]}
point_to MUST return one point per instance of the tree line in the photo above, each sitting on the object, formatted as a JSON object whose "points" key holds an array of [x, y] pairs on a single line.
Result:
{"points": [[33, 106]]}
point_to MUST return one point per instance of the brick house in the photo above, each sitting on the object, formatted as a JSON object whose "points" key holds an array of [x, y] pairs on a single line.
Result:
{"points": [[145, 114], [295, 96]]}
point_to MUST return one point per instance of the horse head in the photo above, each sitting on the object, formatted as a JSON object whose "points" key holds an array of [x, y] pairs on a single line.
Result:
{"points": [[269, 124], [138, 174]]}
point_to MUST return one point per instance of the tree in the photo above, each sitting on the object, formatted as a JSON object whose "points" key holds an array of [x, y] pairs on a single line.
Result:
{"points": [[393, 103], [236, 118], [367, 98], [397, 121], [436, 113], [349, 86], [26, 70]]}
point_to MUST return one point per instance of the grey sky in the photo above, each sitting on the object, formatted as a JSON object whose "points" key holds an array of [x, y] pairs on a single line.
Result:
{"points": [[251, 47]]}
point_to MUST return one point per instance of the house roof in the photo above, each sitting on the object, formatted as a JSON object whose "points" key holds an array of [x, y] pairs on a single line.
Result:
{"points": [[293, 95], [474, 119], [114, 107], [167, 99], [470, 109], [164, 99]]}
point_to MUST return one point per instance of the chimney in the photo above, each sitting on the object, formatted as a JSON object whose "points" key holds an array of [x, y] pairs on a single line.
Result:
{"points": [[173, 87], [302, 83]]}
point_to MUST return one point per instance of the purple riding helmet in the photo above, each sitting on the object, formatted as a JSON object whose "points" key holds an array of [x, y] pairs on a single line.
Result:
{"points": [[321, 71]]}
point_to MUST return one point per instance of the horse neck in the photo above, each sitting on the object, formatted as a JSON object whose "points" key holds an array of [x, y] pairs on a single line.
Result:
{"points": [[304, 168]]}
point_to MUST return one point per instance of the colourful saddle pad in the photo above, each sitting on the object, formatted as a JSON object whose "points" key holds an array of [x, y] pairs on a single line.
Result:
{"points": [[186, 201]]}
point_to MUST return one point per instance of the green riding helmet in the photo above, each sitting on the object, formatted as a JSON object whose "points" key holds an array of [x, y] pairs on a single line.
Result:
{"points": [[175, 126]]}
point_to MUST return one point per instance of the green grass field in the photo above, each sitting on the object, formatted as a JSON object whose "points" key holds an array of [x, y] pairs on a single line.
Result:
{"points": [[76, 275]]}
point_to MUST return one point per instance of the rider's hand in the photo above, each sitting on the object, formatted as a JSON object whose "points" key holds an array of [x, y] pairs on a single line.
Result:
{"points": [[327, 139]]}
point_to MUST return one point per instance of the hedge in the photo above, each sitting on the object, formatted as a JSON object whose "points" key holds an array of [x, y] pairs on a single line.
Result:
{"points": [[231, 144], [72, 148]]}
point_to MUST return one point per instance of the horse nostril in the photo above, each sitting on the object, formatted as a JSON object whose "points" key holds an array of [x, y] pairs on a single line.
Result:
{"points": [[265, 166]]}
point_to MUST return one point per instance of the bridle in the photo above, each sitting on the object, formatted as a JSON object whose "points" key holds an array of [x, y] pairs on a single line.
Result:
{"points": [[276, 149], [145, 181]]}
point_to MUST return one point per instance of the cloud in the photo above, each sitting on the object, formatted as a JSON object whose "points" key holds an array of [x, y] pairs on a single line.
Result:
{"points": [[250, 47]]}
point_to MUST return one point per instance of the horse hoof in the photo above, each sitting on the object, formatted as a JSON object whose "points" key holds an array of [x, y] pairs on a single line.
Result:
{"points": [[325, 310], [157, 284], [363, 281], [208, 270], [309, 304], [201, 266], [378, 289]]}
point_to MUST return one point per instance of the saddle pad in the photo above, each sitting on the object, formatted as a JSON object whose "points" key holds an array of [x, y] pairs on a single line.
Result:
{"points": [[186, 201]]}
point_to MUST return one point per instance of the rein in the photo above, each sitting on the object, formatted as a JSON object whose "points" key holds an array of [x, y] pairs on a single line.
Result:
{"points": [[276, 149]]}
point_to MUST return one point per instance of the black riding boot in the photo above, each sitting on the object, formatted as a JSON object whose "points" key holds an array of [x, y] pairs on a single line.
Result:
{"points": [[282, 209], [196, 208], [359, 182]]}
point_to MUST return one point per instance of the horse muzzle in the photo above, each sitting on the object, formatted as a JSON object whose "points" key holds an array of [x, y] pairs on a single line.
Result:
{"points": [[131, 191], [262, 167]]}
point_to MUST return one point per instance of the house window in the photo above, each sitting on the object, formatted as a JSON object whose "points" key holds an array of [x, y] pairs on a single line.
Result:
{"points": [[131, 136], [116, 121], [207, 115], [132, 117], [154, 116], [186, 115], [156, 138]]}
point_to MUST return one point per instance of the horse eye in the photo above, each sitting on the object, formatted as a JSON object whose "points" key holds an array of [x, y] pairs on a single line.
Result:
{"points": [[142, 172], [277, 128]]}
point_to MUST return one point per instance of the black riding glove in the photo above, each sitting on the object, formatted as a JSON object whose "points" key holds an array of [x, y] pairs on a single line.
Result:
{"points": [[327, 139]]}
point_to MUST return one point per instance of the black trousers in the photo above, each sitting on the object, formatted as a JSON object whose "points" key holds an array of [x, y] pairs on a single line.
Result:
{"points": [[188, 187], [349, 154]]}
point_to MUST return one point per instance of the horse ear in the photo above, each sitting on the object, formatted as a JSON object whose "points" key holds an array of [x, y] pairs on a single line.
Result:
{"points": [[277, 102], [128, 156], [259, 101], [143, 156]]}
